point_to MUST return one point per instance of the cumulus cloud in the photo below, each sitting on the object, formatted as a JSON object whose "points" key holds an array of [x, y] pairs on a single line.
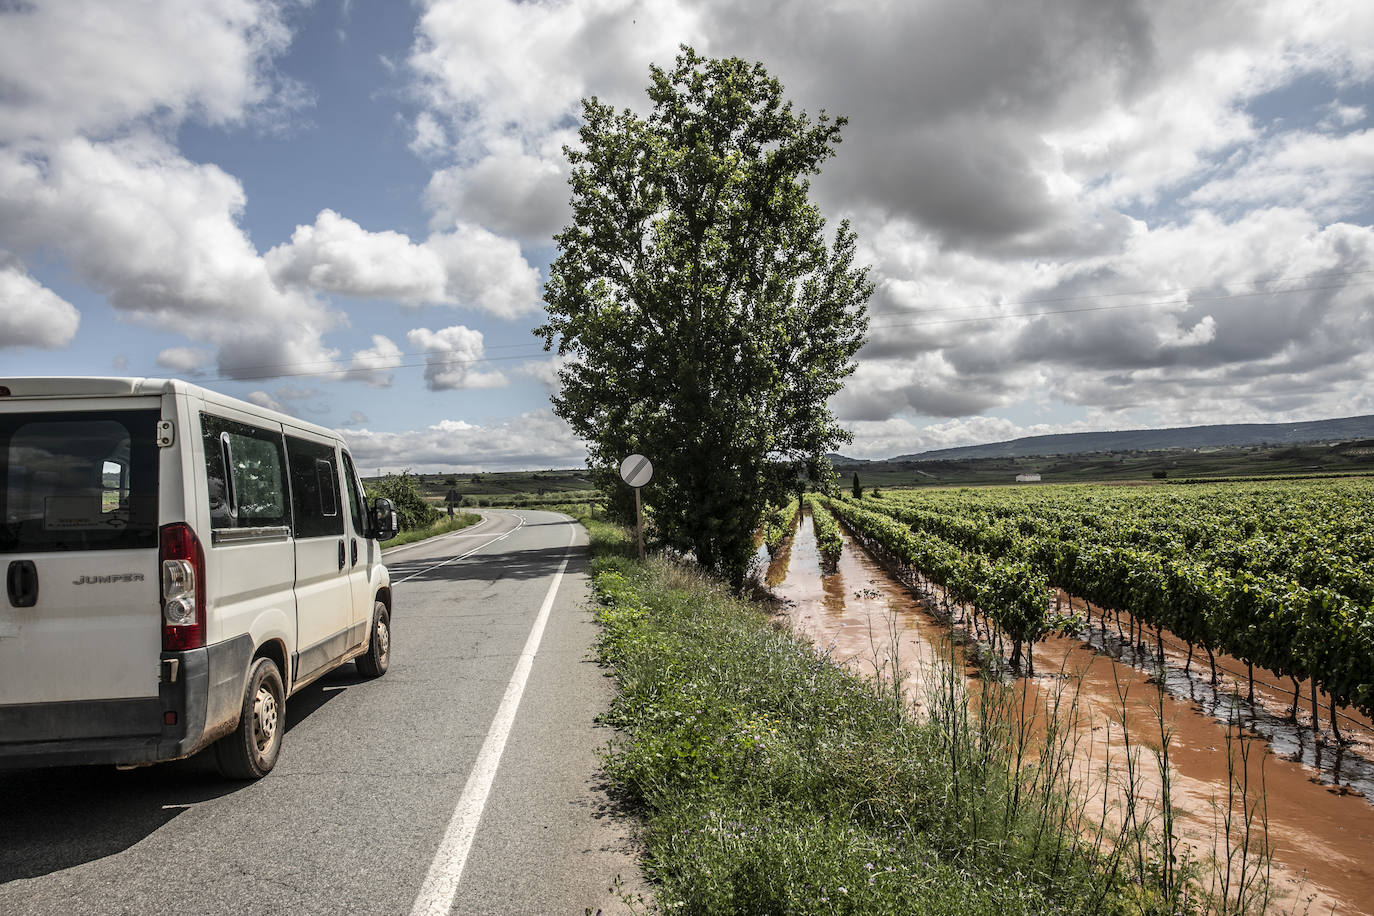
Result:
{"points": [[509, 77], [1080, 203], [515, 194], [486, 272], [1329, 175], [468, 266], [536, 439], [82, 67], [337, 255], [159, 236], [545, 371], [373, 364], [430, 138], [263, 399], [184, 360], [451, 358], [31, 315], [881, 439], [87, 168]]}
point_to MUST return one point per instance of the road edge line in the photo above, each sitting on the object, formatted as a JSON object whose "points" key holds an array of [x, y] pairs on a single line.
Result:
{"points": [[440, 887]]}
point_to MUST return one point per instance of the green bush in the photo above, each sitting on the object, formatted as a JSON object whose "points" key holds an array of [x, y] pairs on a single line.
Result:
{"points": [[403, 490]]}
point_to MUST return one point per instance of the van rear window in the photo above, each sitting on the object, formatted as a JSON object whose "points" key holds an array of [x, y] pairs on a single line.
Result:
{"points": [[78, 480]]}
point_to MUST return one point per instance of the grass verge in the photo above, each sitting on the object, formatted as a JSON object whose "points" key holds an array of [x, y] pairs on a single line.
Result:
{"points": [[771, 780], [459, 521]]}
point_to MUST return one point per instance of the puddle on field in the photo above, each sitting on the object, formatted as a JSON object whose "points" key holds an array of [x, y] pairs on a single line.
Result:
{"points": [[1321, 826]]}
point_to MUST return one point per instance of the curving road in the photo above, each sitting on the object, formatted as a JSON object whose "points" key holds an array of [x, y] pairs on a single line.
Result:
{"points": [[464, 781]]}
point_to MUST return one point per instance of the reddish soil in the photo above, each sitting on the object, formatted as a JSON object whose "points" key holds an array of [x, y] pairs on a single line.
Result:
{"points": [[1312, 792]]}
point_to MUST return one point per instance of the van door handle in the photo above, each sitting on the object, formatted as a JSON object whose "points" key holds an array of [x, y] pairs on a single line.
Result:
{"points": [[342, 557], [354, 542], [22, 582]]}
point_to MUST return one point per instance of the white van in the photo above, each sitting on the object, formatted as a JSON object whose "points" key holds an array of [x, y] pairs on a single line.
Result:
{"points": [[177, 563]]}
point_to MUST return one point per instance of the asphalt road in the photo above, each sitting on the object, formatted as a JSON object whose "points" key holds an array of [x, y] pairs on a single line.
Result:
{"points": [[451, 784]]}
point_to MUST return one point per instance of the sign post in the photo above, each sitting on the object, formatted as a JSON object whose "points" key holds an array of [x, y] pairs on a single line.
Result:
{"points": [[637, 470]]}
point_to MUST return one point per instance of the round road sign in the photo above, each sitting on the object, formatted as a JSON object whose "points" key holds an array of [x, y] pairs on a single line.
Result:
{"points": [[636, 470]]}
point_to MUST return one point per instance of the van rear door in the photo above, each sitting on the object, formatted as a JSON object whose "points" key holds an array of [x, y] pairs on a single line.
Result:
{"points": [[80, 619]]}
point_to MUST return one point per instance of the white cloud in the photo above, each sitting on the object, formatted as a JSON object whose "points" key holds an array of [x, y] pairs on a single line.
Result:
{"points": [[1118, 166], [430, 137], [87, 169], [486, 272], [31, 315], [468, 267], [883, 439], [536, 439], [91, 67], [263, 399], [185, 360], [1332, 176], [337, 255], [159, 236], [512, 193], [509, 77], [545, 371], [373, 364], [451, 357]]}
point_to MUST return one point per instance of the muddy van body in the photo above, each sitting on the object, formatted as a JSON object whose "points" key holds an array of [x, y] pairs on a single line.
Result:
{"points": [[177, 564]]}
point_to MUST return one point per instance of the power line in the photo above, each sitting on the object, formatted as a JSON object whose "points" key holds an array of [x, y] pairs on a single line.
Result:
{"points": [[1190, 300], [1187, 296], [340, 367], [1175, 291]]}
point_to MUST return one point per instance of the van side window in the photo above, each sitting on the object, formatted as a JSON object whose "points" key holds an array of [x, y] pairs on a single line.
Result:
{"points": [[245, 471], [314, 488], [356, 500]]}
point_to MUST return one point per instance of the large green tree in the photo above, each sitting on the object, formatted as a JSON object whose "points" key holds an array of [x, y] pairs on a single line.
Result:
{"points": [[703, 318]]}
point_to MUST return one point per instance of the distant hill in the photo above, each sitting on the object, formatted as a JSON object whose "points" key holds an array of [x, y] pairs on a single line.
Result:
{"points": [[1224, 436]]}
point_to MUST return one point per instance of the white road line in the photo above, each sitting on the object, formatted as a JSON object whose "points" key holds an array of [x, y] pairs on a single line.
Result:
{"points": [[499, 537], [441, 884], [460, 533]]}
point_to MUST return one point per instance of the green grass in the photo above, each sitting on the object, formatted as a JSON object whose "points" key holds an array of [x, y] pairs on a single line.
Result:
{"points": [[771, 780], [459, 521]]}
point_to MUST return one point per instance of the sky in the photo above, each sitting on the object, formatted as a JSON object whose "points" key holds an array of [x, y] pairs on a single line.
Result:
{"points": [[1079, 215]]}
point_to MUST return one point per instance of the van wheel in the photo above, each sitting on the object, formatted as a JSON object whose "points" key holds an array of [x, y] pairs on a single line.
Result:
{"points": [[374, 661], [250, 751]]}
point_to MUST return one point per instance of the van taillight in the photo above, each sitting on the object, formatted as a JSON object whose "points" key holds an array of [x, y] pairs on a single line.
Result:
{"points": [[183, 588]]}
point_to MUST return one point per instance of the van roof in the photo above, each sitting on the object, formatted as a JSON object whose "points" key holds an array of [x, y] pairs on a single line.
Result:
{"points": [[82, 386], [110, 386]]}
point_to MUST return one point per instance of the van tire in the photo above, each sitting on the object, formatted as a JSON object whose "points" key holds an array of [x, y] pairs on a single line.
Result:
{"points": [[250, 750], [374, 662]]}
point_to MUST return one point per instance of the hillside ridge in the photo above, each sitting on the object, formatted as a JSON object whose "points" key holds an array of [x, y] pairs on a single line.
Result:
{"points": [[1228, 435]]}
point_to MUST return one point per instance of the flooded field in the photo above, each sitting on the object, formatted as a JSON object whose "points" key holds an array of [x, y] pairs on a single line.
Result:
{"points": [[1315, 797]]}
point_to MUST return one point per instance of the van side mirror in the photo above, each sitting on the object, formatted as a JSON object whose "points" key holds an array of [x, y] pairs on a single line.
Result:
{"points": [[383, 519]]}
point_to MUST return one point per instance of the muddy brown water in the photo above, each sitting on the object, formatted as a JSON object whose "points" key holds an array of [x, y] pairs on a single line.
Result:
{"points": [[1318, 798]]}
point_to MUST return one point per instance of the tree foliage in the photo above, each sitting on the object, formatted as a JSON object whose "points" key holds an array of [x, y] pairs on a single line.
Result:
{"points": [[702, 316], [403, 490]]}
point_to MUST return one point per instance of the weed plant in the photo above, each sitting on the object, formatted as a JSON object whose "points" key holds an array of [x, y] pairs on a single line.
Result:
{"points": [[774, 781]]}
